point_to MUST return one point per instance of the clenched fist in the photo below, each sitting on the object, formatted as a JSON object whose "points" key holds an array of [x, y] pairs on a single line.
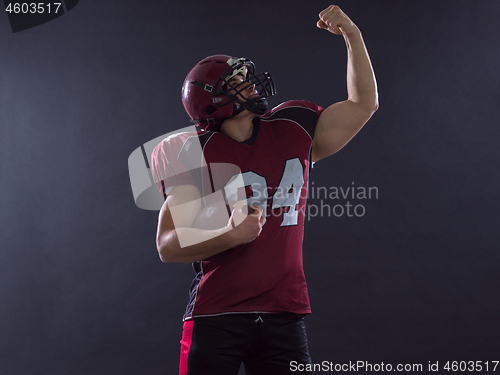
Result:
{"points": [[248, 224], [335, 21]]}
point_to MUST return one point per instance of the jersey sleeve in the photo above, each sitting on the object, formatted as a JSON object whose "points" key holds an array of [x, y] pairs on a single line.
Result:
{"points": [[166, 167], [303, 112]]}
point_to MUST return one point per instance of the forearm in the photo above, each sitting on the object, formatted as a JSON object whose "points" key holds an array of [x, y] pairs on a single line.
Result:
{"points": [[361, 82], [187, 245]]}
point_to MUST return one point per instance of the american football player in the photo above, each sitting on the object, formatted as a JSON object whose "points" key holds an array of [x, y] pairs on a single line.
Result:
{"points": [[249, 295]]}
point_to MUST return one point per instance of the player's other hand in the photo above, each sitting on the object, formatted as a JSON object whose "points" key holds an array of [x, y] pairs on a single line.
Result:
{"points": [[248, 222], [335, 21]]}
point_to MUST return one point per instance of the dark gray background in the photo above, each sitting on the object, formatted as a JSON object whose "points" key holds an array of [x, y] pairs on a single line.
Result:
{"points": [[416, 279]]}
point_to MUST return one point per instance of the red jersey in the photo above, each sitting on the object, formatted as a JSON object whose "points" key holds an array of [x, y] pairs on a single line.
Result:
{"points": [[270, 170]]}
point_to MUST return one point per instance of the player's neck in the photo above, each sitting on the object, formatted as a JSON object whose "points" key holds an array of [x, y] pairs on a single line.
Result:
{"points": [[240, 128]]}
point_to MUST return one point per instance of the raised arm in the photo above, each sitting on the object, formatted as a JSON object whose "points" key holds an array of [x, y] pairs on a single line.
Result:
{"points": [[341, 121]]}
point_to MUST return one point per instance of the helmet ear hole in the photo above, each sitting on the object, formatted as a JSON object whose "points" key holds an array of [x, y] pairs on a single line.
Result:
{"points": [[210, 109]]}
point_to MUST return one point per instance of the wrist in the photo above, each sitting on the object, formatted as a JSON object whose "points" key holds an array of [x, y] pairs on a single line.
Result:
{"points": [[353, 40], [353, 31], [231, 236]]}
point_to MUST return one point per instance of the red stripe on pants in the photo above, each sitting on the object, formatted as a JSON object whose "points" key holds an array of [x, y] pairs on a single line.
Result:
{"points": [[187, 335]]}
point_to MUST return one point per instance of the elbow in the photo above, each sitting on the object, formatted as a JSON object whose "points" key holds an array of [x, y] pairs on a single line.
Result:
{"points": [[372, 104], [167, 253], [169, 249], [164, 258], [164, 249], [376, 104], [367, 108], [167, 256], [367, 111], [371, 109], [164, 255]]}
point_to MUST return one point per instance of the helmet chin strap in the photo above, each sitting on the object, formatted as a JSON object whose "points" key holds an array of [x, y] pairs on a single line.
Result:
{"points": [[255, 105]]}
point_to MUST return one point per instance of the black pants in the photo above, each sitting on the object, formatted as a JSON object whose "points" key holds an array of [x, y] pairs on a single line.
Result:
{"points": [[265, 343]]}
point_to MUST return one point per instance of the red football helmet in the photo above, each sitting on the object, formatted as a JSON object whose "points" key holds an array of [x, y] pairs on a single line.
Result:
{"points": [[206, 96]]}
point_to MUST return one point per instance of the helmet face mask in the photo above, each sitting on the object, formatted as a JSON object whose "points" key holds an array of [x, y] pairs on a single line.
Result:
{"points": [[209, 97], [264, 85]]}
